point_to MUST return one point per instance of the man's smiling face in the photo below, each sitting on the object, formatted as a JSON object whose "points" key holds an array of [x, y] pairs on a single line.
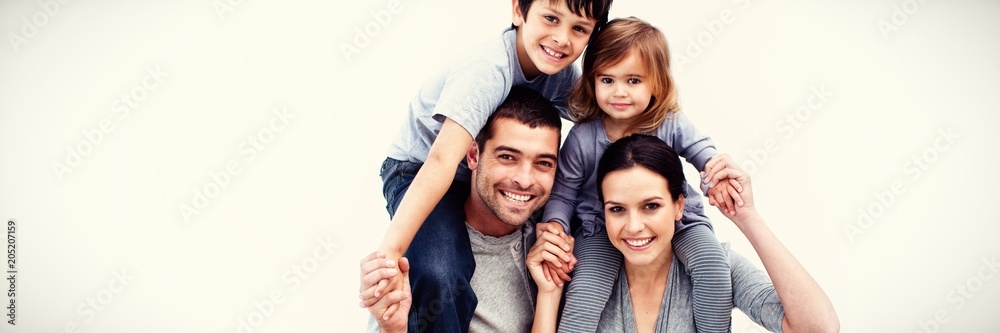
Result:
{"points": [[514, 171]]}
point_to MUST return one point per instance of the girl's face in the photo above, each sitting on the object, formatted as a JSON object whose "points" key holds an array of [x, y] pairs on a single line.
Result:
{"points": [[622, 91], [639, 214]]}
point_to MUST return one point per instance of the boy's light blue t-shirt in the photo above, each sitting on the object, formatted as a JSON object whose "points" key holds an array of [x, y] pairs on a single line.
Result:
{"points": [[468, 90]]}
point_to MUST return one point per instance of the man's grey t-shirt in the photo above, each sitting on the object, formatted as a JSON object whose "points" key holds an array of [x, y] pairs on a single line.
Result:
{"points": [[753, 293], [501, 282], [467, 91]]}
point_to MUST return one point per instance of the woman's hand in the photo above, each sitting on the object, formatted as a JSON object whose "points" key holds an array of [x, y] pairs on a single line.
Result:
{"points": [[549, 269], [550, 249], [722, 192], [745, 211]]}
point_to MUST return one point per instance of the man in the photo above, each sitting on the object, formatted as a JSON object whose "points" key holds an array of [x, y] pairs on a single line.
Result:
{"points": [[513, 163]]}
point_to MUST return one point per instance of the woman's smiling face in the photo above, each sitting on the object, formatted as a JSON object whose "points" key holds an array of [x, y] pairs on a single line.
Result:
{"points": [[639, 214]]}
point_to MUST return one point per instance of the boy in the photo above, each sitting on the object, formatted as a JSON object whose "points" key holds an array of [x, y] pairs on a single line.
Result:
{"points": [[546, 37]]}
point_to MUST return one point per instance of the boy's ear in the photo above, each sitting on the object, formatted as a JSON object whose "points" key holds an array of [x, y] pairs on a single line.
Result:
{"points": [[518, 18], [472, 156]]}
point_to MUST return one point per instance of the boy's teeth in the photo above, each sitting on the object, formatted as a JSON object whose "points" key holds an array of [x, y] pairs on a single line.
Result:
{"points": [[638, 243], [552, 53], [517, 197]]}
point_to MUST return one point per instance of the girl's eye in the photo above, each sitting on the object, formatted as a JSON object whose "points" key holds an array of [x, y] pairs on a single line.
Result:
{"points": [[652, 206], [616, 209], [634, 80], [607, 80]]}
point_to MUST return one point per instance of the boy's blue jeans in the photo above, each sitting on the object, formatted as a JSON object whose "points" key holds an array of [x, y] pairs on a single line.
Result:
{"points": [[441, 261]]}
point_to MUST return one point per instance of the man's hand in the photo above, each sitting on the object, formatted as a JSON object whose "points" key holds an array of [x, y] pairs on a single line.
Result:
{"points": [[379, 276], [548, 250], [724, 192], [392, 310], [558, 269]]}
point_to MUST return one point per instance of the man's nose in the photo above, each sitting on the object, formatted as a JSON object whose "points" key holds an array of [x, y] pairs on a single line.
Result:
{"points": [[522, 175]]}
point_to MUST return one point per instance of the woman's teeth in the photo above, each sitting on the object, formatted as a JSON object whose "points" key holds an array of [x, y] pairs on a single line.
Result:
{"points": [[639, 242]]}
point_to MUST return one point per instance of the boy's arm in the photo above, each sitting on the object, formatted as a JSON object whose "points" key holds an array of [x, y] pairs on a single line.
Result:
{"points": [[428, 187]]}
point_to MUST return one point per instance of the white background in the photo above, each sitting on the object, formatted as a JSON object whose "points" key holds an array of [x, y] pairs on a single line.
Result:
{"points": [[316, 180]]}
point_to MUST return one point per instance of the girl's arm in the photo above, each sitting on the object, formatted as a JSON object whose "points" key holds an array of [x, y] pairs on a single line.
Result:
{"points": [[806, 306], [570, 173], [428, 187], [680, 133]]}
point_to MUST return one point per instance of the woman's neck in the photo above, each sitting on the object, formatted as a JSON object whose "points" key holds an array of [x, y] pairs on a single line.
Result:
{"points": [[651, 274]]}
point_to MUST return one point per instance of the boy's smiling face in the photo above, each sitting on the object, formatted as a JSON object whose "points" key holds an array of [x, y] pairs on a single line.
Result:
{"points": [[550, 37]]}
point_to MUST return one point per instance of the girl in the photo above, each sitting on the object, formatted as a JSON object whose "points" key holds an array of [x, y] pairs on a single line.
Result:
{"points": [[627, 88]]}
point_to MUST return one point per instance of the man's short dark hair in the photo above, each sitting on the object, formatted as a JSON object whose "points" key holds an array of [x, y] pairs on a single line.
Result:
{"points": [[527, 107]]}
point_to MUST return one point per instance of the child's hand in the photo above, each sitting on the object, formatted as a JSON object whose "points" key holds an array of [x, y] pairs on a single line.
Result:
{"points": [[551, 269], [549, 249], [723, 190], [379, 276], [725, 195], [747, 208]]}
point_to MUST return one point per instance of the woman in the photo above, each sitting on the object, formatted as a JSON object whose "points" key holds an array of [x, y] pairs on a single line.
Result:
{"points": [[641, 182]]}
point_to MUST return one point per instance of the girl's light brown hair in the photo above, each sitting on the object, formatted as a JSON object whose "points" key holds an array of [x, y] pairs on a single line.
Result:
{"points": [[620, 38]]}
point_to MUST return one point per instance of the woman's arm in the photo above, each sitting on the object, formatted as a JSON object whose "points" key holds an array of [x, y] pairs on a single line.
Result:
{"points": [[806, 306], [549, 292]]}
